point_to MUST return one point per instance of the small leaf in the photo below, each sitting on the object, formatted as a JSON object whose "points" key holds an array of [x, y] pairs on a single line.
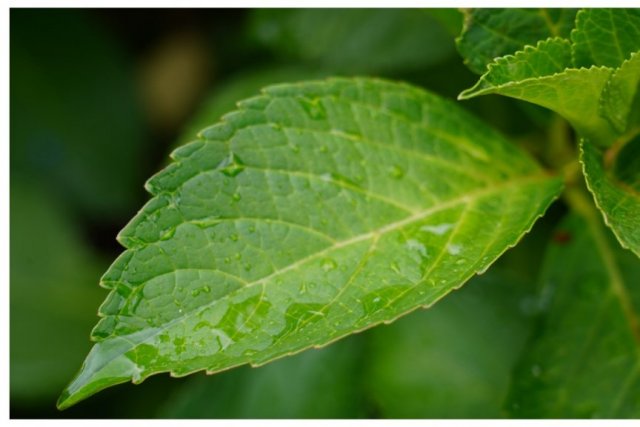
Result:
{"points": [[605, 37], [316, 210], [583, 361], [620, 101], [616, 189], [541, 75], [491, 33]]}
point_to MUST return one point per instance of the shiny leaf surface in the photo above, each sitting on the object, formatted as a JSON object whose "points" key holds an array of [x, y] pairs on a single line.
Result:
{"points": [[315, 211]]}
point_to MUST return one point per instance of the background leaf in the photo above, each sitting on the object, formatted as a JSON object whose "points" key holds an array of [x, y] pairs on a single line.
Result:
{"points": [[605, 37], [354, 40], [582, 362], [72, 120], [49, 262], [617, 190], [314, 384], [491, 33], [242, 257], [469, 341]]}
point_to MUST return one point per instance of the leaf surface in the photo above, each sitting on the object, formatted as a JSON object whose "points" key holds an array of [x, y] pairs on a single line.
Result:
{"points": [[605, 36], [491, 33], [584, 359], [620, 101], [315, 211], [616, 189], [542, 75]]}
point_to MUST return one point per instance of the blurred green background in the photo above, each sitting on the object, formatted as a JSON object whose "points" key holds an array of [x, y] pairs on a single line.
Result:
{"points": [[98, 100]]}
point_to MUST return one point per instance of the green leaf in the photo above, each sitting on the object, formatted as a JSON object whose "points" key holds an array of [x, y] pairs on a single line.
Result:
{"points": [[491, 33], [616, 189], [316, 210], [541, 75], [605, 37], [620, 101], [354, 40], [584, 359]]}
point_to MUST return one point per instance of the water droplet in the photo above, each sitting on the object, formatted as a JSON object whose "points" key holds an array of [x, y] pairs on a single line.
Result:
{"points": [[295, 148], [231, 165], [247, 267], [227, 260], [323, 149], [438, 230], [234, 237], [376, 299], [483, 269], [314, 108], [252, 228], [396, 172], [461, 261], [415, 245], [454, 249], [328, 264], [237, 255], [249, 353], [236, 197], [206, 289]]}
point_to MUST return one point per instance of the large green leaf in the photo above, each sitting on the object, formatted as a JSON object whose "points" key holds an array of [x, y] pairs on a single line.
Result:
{"points": [[605, 37], [316, 210], [584, 359], [616, 189], [354, 40], [491, 33]]}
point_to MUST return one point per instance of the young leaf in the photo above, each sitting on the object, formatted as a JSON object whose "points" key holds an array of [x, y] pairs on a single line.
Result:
{"points": [[542, 75], [584, 359], [620, 101], [491, 33], [605, 37], [316, 210], [616, 190]]}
